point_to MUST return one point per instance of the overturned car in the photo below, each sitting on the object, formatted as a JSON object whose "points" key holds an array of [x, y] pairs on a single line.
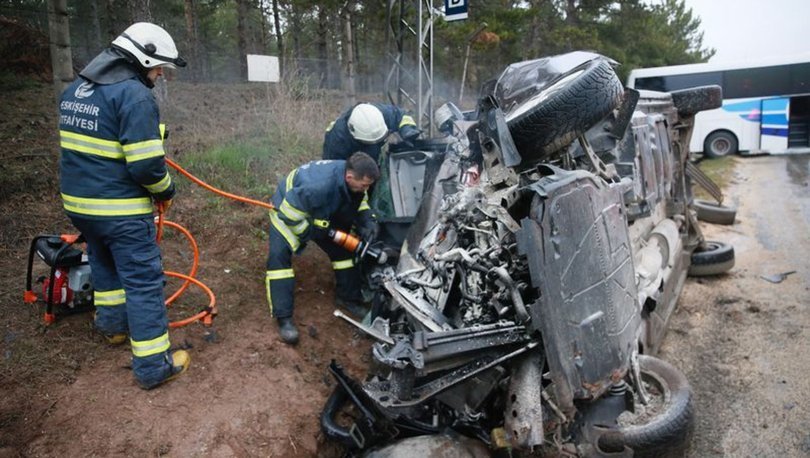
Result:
{"points": [[544, 243]]}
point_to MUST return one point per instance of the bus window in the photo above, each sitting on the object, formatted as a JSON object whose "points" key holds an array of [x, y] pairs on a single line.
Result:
{"points": [[671, 83], [800, 79], [652, 83], [756, 82]]}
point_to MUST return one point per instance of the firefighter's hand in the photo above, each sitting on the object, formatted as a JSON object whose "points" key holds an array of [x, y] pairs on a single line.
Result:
{"points": [[409, 133], [368, 232], [164, 205]]}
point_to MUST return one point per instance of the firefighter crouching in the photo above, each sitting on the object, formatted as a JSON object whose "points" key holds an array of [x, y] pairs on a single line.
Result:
{"points": [[312, 198], [112, 169], [366, 127]]}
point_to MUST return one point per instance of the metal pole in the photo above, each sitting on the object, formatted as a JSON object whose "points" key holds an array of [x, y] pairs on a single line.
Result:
{"points": [[466, 59], [430, 88], [419, 62]]}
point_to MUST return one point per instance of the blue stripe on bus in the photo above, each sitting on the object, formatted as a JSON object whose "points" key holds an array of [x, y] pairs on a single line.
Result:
{"points": [[775, 131], [748, 111], [779, 119], [751, 105]]}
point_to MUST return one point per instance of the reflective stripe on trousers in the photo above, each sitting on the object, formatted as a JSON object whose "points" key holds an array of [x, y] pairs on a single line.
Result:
{"points": [[279, 279], [123, 255]]}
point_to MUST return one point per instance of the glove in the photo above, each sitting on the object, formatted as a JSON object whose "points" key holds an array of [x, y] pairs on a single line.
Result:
{"points": [[409, 133], [164, 205], [368, 231]]}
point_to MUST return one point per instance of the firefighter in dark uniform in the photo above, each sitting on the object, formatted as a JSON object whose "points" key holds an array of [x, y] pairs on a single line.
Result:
{"points": [[365, 127], [311, 199], [112, 170]]}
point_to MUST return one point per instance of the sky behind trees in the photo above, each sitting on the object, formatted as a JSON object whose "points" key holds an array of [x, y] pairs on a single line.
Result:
{"points": [[753, 29]]}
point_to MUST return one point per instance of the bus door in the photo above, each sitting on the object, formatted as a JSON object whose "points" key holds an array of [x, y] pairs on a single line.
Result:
{"points": [[799, 122], [773, 135]]}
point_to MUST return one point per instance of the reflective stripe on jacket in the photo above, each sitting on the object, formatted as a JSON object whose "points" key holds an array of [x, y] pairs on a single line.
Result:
{"points": [[312, 195], [112, 159]]}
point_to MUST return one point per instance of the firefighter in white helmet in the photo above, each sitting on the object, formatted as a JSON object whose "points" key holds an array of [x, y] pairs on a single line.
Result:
{"points": [[365, 127], [112, 171]]}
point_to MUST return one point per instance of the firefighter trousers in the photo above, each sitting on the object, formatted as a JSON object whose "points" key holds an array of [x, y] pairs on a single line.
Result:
{"points": [[280, 278], [128, 290]]}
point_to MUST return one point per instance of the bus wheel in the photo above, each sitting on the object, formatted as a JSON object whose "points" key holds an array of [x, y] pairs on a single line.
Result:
{"points": [[554, 117], [719, 144]]}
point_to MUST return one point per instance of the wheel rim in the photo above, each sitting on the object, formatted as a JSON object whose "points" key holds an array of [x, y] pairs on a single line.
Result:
{"points": [[721, 146], [661, 396], [707, 246]]}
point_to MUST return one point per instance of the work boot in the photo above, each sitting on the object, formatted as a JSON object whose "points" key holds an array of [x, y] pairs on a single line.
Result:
{"points": [[180, 362], [288, 331], [115, 339], [355, 308]]}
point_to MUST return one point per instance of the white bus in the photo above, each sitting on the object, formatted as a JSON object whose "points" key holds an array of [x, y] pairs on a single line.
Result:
{"points": [[766, 104]]}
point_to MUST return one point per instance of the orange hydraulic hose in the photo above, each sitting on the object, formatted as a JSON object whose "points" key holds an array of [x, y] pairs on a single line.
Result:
{"points": [[195, 263], [207, 186], [206, 314], [211, 310]]}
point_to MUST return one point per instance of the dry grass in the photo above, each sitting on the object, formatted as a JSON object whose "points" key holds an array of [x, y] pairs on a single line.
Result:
{"points": [[720, 170], [247, 136]]}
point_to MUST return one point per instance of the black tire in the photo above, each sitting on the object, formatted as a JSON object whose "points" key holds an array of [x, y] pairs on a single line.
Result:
{"points": [[719, 144], [691, 101], [439, 445], [665, 434], [555, 116], [711, 258], [714, 213]]}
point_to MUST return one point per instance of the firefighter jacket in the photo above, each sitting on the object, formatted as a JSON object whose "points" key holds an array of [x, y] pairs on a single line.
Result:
{"points": [[112, 163], [339, 144], [311, 197]]}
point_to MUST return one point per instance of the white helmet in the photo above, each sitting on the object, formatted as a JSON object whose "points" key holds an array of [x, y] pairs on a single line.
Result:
{"points": [[150, 44], [366, 124]]}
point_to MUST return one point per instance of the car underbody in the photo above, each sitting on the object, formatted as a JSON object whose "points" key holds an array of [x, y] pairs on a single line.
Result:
{"points": [[543, 244]]}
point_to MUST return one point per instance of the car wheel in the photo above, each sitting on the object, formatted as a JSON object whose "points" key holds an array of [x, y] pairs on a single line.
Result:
{"points": [[439, 445], [665, 425], [711, 258], [714, 213], [719, 144], [691, 101], [554, 117]]}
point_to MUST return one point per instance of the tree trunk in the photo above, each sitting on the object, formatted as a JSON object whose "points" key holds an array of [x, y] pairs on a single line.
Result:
{"points": [[295, 21], [264, 32], [140, 11], [350, 87], [241, 32], [112, 19], [192, 41], [572, 12], [323, 48], [279, 38], [61, 57], [95, 32]]}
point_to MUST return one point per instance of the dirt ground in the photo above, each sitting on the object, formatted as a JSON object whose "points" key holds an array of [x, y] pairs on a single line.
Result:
{"points": [[742, 341]]}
